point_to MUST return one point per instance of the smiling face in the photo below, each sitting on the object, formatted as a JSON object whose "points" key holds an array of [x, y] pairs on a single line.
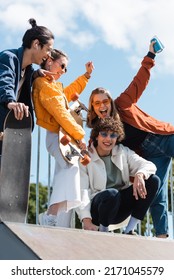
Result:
{"points": [[58, 66], [41, 53], [105, 134], [102, 105], [106, 141]]}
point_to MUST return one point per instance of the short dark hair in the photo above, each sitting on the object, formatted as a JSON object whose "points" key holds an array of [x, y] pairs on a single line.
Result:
{"points": [[56, 54], [107, 124], [43, 34]]}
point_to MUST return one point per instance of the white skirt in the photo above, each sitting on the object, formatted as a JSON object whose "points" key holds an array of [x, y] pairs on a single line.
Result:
{"points": [[66, 181]]}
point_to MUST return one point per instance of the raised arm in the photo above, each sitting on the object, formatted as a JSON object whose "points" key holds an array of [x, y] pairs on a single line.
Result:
{"points": [[80, 83], [134, 91]]}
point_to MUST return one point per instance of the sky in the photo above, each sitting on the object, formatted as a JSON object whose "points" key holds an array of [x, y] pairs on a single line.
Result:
{"points": [[115, 35]]}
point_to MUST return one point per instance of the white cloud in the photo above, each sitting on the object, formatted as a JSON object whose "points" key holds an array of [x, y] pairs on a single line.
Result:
{"points": [[126, 24]]}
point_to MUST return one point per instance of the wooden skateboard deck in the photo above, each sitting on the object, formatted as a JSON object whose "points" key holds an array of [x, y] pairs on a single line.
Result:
{"points": [[69, 153], [69, 149], [68, 146], [15, 168], [76, 111]]}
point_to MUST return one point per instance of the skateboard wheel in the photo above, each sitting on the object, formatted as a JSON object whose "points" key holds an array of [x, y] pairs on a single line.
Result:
{"points": [[85, 160], [75, 96], [65, 140]]}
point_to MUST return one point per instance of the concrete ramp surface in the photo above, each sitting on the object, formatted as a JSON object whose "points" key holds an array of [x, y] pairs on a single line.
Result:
{"points": [[51, 243]]}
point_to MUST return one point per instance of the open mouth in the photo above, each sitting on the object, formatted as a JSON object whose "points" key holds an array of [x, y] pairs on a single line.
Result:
{"points": [[104, 113]]}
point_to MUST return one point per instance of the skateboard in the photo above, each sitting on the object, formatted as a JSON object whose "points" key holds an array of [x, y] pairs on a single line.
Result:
{"points": [[15, 168], [76, 110], [70, 151], [68, 146]]}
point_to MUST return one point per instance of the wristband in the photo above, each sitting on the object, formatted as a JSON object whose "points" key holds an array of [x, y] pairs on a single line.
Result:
{"points": [[87, 75]]}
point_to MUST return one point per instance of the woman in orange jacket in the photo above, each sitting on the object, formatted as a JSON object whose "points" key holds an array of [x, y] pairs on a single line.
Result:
{"points": [[52, 112]]}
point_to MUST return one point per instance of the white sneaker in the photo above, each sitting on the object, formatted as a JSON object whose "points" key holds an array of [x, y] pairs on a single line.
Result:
{"points": [[47, 220]]}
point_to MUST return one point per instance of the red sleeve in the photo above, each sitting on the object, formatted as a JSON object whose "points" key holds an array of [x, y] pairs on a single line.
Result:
{"points": [[137, 86]]}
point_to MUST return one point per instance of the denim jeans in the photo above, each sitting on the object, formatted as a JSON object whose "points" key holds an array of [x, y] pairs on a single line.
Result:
{"points": [[160, 150], [112, 206]]}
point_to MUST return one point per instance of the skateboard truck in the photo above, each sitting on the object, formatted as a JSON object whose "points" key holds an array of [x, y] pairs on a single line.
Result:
{"points": [[81, 105], [69, 154], [72, 153]]}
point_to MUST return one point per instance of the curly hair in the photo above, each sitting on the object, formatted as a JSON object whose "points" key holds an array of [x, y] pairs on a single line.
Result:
{"points": [[107, 124]]}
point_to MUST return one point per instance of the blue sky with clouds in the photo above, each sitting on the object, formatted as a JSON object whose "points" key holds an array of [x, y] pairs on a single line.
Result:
{"points": [[113, 34]]}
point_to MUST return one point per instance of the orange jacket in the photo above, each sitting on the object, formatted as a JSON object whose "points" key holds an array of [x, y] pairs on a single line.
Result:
{"points": [[51, 105], [130, 113]]}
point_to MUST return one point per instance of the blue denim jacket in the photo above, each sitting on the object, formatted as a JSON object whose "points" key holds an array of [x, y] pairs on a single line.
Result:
{"points": [[10, 75]]}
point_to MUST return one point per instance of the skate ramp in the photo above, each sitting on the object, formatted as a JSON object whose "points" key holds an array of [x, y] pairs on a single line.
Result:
{"points": [[50, 243]]}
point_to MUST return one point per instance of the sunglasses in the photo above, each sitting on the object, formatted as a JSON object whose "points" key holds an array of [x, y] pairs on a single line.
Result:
{"points": [[105, 134], [104, 102], [63, 67]]}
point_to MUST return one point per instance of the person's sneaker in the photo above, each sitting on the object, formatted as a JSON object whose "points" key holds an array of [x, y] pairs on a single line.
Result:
{"points": [[162, 236], [47, 220], [103, 228], [131, 232]]}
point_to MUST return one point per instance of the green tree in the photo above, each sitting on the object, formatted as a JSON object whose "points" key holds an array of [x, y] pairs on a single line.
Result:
{"points": [[43, 201]]}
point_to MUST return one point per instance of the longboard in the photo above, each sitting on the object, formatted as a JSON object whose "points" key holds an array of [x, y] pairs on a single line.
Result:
{"points": [[69, 149], [68, 146], [15, 168], [76, 110]]}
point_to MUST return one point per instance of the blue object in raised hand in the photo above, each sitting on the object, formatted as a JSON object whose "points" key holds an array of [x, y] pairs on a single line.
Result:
{"points": [[158, 46]]}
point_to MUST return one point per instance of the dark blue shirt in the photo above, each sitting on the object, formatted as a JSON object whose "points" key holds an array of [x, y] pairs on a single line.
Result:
{"points": [[10, 75]]}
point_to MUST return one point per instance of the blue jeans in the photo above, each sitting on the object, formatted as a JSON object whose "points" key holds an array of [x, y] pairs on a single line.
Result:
{"points": [[112, 206], [160, 150]]}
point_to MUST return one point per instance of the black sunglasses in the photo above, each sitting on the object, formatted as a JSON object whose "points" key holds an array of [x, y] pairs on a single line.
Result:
{"points": [[63, 67]]}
